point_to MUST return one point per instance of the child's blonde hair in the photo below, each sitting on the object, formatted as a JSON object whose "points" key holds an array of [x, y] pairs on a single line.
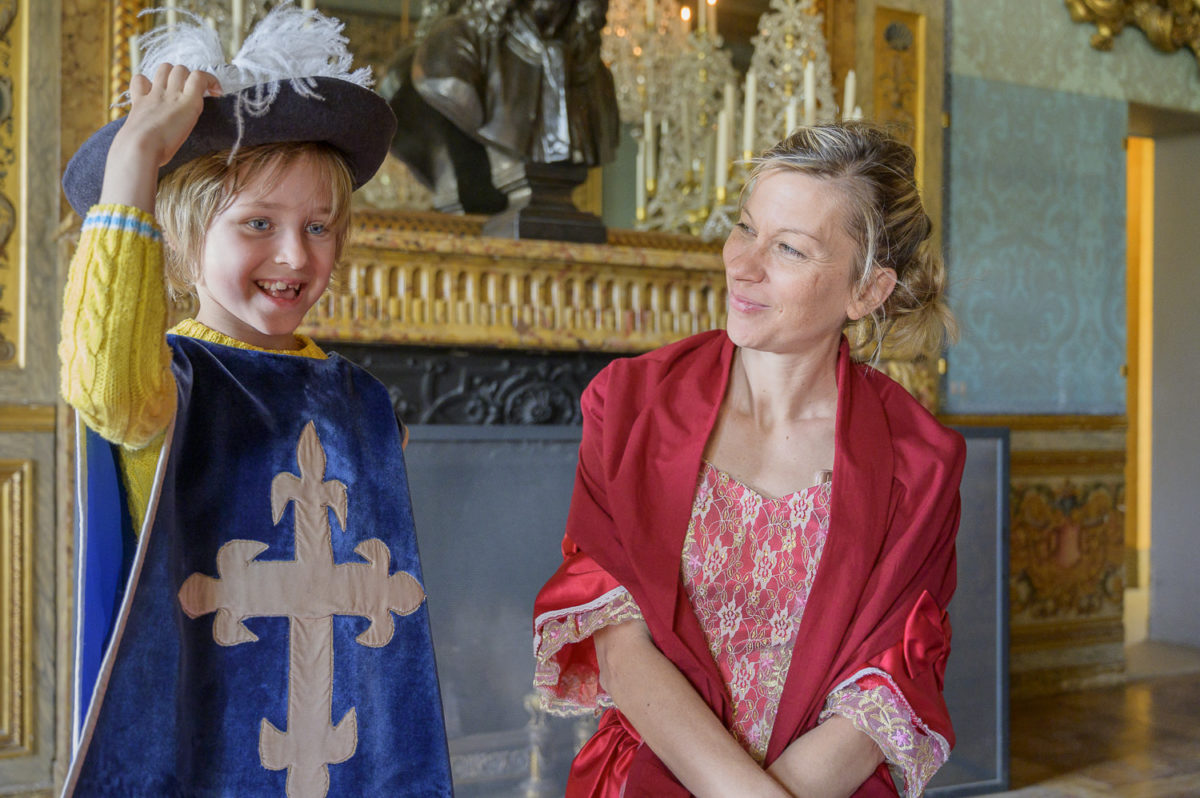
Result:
{"points": [[190, 197]]}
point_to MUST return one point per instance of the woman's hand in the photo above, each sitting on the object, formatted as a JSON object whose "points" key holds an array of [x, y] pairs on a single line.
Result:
{"points": [[162, 116], [673, 719], [830, 761]]}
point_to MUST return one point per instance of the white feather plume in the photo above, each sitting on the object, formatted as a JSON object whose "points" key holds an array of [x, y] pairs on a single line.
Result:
{"points": [[289, 44]]}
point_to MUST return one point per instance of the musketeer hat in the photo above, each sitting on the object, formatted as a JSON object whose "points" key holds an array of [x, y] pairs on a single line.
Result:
{"points": [[291, 81]]}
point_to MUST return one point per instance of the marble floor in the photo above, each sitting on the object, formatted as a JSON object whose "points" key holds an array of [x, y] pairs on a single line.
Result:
{"points": [[1137, 740]]}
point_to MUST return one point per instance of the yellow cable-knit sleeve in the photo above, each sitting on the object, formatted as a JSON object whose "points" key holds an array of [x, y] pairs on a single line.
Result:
{"points": [[116, 365]]}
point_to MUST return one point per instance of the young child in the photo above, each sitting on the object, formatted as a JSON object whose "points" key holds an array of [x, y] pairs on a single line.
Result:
{"points": [[268, 635]]}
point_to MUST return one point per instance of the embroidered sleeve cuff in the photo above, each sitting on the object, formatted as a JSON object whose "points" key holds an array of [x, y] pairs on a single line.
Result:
{"points": [[913, 752], [565, 671]]}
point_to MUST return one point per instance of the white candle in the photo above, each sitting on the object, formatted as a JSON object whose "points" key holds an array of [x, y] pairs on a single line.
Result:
{"points": [[721, 172], [172, 14], [848, 97], [729, 97], [236, 11], [857, 113], [701, 16], [650, 13], [687, 123], [712, 18], [135, 56], [748, 115], [789, 123], [810, 94], [685, 14], [648, 132], [308, 5], [640, 191]]}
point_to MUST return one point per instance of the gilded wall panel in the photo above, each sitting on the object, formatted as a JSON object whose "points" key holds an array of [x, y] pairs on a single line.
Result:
{"points": [[16, 607], [12, 125]]}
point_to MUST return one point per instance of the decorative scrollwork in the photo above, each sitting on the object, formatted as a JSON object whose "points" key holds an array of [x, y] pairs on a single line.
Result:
{"points": [[1168, 24]]}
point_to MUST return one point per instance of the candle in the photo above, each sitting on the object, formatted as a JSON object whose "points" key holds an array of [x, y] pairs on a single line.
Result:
{"points": [[687, 123], [172, 14], [685, 14], [721, 172], [848, 97], [135, 55], [857, 113], [651, 166], [810, 94], [650, 13], [730, 96], [712, 18], [236, 11], [701, 16], [640, 191], [789, 123], [308, 5], [748, 115]]}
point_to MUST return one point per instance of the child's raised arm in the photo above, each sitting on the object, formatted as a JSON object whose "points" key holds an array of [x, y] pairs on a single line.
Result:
{"points": [[162, 115], [115, 360]]}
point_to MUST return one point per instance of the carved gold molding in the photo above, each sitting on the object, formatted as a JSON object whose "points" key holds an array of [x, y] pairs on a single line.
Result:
{"points": [[27, 418], [16, 608], [1168, 24], [12, 120], [404, 285]]}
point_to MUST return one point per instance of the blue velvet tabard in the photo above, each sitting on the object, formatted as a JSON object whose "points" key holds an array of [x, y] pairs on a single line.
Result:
{"points": [[202, 660]]}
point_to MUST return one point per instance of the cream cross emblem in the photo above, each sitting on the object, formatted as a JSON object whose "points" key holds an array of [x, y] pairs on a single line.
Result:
{"points": [[309, 591]]}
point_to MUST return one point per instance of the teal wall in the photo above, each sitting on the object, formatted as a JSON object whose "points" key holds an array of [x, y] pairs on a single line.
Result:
{"points": [[1035, 248], [1035, 203]]}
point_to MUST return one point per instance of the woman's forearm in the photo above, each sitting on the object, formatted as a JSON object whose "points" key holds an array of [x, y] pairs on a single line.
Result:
{"points": [[830, 761], [673, 719]]}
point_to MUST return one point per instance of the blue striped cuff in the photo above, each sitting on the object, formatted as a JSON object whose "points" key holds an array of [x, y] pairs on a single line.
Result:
{"points": [[118, 220]]}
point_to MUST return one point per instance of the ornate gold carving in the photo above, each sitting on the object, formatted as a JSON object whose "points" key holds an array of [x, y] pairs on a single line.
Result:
{"points": [[27, 418], [12, 113], [16, 608], [1064, 423], [125, 23], [403, 286], [1168, 24]]}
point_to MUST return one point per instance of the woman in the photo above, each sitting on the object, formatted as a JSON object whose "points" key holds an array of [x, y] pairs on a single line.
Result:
{"points": [[757, 626]]}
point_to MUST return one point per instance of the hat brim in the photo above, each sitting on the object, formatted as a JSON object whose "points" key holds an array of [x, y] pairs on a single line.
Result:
{"points": [[354, 120]]}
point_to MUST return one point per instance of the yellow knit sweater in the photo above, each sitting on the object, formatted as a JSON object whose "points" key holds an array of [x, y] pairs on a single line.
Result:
{"points": [[116, 365]]}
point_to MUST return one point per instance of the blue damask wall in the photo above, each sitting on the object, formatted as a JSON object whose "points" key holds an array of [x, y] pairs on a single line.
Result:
{"points": [[1035, 247]]}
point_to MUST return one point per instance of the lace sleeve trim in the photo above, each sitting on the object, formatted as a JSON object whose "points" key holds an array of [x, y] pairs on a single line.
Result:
{"points": [[914, 752], [571, 685]]}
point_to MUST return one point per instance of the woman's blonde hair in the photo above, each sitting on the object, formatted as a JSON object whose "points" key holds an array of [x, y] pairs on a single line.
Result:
{"points": [[190, 197], [875, 176]]}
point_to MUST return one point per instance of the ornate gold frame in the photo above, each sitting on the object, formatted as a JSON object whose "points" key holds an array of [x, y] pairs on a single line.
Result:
{"points": [[16, 607], [1168, 24]]}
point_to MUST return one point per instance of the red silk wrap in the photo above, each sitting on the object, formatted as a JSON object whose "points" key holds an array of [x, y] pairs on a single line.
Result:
{"points": [[886, 575]]}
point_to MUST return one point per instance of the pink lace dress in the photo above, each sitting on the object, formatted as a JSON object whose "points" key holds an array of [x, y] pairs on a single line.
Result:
{"points": [[748, 565]]}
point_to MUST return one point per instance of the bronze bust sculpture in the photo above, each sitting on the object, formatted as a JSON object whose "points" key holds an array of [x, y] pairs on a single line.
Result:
{"points": [[503, 105]]}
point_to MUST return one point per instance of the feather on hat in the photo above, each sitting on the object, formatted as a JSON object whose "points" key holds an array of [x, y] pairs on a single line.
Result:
{"points": [[290, 81]]}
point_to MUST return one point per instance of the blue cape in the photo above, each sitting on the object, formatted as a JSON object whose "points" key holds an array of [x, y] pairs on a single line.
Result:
{"points": [[272, 636]]}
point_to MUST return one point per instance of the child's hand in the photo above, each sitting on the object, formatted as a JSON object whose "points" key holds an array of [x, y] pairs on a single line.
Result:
{"points": [[161, 118]]}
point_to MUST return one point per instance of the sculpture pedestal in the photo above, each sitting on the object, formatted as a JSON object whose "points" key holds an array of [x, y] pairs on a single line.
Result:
{"points": [[540, 205]]}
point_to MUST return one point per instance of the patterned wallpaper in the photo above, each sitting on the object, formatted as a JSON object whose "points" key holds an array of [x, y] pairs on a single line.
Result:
{"points": [[1036, 43], [1035, 249]]}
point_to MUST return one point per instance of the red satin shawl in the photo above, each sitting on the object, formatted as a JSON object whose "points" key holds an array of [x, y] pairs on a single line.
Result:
{"points": [[893, 517]]}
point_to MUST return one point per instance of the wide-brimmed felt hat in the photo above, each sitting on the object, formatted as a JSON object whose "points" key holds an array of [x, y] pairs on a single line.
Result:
{"points": [[301, 91]]}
